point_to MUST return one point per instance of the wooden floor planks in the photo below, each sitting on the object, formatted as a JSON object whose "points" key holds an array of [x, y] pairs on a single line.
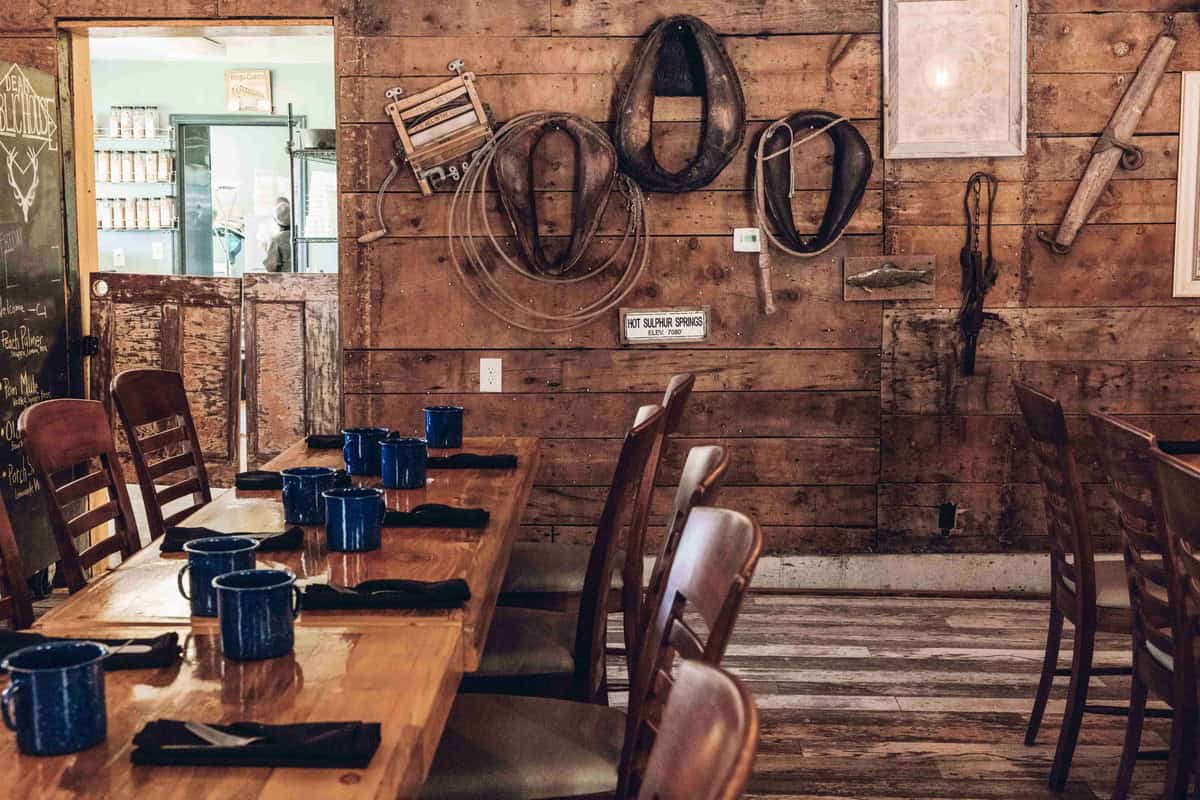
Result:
{"points": [[902, 697]]}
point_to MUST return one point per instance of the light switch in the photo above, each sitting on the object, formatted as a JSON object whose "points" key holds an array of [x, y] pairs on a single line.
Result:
{"points": [[746, 240], [490, 375]]}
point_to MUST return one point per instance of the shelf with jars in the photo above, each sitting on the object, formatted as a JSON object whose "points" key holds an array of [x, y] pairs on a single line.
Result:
{"points": [[135, 166], [136, 214]]}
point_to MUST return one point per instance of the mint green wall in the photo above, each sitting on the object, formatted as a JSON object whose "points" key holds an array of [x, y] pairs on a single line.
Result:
{"points": [[198, 87]]}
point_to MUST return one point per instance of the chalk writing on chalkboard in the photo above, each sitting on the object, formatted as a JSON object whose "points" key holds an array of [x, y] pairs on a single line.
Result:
{"points": [[33, 340]]}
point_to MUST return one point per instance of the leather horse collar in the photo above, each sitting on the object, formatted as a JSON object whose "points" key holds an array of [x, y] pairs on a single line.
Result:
{"points": [[680, 57], [595, 172], [851, 171]]}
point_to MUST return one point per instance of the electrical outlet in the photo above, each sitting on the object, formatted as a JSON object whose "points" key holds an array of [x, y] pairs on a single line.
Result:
{"points": [[156, 251], [490, 371], [118, 257]]}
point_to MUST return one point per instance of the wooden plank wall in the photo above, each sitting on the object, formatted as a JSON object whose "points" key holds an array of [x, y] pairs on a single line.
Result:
{"points": [[848, 421]]}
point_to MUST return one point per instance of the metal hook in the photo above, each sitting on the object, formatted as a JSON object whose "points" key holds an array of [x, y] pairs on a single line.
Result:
{"points": [[456, 66]]}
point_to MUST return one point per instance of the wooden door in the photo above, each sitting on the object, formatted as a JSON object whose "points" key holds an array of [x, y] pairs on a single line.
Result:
{"points": [[33, 315], [293, 371], [188, 324]]}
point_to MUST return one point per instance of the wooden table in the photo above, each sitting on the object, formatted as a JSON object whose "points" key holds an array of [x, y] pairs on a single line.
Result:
{"points": [[401, 668], [143, 590], [407, 681]]}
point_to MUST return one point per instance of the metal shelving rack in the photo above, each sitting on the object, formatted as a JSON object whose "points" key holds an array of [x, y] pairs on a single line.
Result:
{"points": [[297, 157]]}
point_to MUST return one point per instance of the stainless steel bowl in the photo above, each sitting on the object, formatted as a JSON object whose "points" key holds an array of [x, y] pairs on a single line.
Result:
{"points": [[317, 138]]}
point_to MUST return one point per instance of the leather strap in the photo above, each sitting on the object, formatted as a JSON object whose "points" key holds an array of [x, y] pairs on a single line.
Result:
{"points": [[595, 172], [695, 65]]}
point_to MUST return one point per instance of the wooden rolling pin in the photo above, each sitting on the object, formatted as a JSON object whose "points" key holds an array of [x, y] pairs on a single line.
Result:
{"points": [[1115, 143]]}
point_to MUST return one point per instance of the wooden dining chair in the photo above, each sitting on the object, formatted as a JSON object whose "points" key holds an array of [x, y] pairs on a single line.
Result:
{"points": [[506, 746], [559, 653], [1128, 455], [1093, 596], [1178, 485], [163, 444], [16, 603], [706, 743], [60, 436], [549, 575]]}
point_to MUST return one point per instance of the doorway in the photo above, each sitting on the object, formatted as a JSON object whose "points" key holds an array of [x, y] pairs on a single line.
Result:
{"points": [[238, 122]]}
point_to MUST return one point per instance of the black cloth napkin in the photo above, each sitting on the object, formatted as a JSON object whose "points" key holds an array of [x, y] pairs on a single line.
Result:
{"points": [[325, 441], [1179, 448], [472, 461], [436, 515], [387, 593], [164, 650], [349, 745], [176, 537], [266, 480]]}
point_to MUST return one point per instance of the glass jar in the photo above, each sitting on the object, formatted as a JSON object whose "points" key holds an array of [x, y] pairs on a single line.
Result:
{"points": [[104, 218], [126, 130], [155, 213], [166, 166], [130, 213], [139, 167], [126, 167], [167, 212], [151, 115], [118, 214], [143, 213], [139, 122], [114, 122], [102, 163]]}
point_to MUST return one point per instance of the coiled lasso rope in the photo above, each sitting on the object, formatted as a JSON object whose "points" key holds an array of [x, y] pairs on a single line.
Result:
{"points": [[469, 224]]}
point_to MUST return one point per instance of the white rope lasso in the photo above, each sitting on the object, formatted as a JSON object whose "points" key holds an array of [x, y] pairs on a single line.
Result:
{"points": [[469, 222]]}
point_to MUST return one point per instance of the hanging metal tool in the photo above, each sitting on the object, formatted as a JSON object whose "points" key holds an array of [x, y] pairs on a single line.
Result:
{"points": [[437, 132], [978, 269], [1115, 144]]}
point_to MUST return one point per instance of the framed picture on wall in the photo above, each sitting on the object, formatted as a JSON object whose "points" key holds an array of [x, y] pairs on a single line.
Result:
{"points": [[1187, 188], [954, 78], [248, 90]]}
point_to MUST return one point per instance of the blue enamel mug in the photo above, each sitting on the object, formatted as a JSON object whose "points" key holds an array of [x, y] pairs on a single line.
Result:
{"points": [[354, 519], [360, 449], [257, 609], [444, 426], [55, 697], [402, 463], [208, 558], [302, 488]]}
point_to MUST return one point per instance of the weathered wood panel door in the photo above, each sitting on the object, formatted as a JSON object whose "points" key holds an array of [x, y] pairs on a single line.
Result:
{"points": [[293, 369], [188, 324]]}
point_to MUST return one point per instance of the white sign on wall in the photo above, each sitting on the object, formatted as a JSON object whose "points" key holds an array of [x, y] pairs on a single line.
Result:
{"points": [[663, 325]]}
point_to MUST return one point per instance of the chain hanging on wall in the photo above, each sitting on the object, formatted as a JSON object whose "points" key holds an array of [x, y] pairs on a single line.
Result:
{"points": [[475, 247]]}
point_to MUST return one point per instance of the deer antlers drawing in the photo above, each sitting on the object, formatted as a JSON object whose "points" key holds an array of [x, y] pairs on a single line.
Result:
{"points": [[24, 198]]}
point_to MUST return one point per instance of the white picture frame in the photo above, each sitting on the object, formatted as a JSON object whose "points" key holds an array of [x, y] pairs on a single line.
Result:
{"points": [[1186, 282], [954, 78]]}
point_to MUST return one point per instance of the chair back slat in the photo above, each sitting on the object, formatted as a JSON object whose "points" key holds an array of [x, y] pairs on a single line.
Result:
{"points": [[679, 390], [163, 441], [707, 740], [1071, 555], [59, 437], [703, 471], [16, 603], [706, 583], [1178, 485], [591, 637], [1128, 455]]}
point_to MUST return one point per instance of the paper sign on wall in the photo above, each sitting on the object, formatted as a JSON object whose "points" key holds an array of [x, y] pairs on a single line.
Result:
{"points": [[663, 325]]}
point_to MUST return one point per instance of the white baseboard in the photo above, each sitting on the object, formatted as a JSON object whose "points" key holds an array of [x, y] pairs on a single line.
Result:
{"points": [[933, 572]]}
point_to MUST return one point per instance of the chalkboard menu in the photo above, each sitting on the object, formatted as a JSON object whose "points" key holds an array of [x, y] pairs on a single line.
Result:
{"points": [[33, 332]]}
